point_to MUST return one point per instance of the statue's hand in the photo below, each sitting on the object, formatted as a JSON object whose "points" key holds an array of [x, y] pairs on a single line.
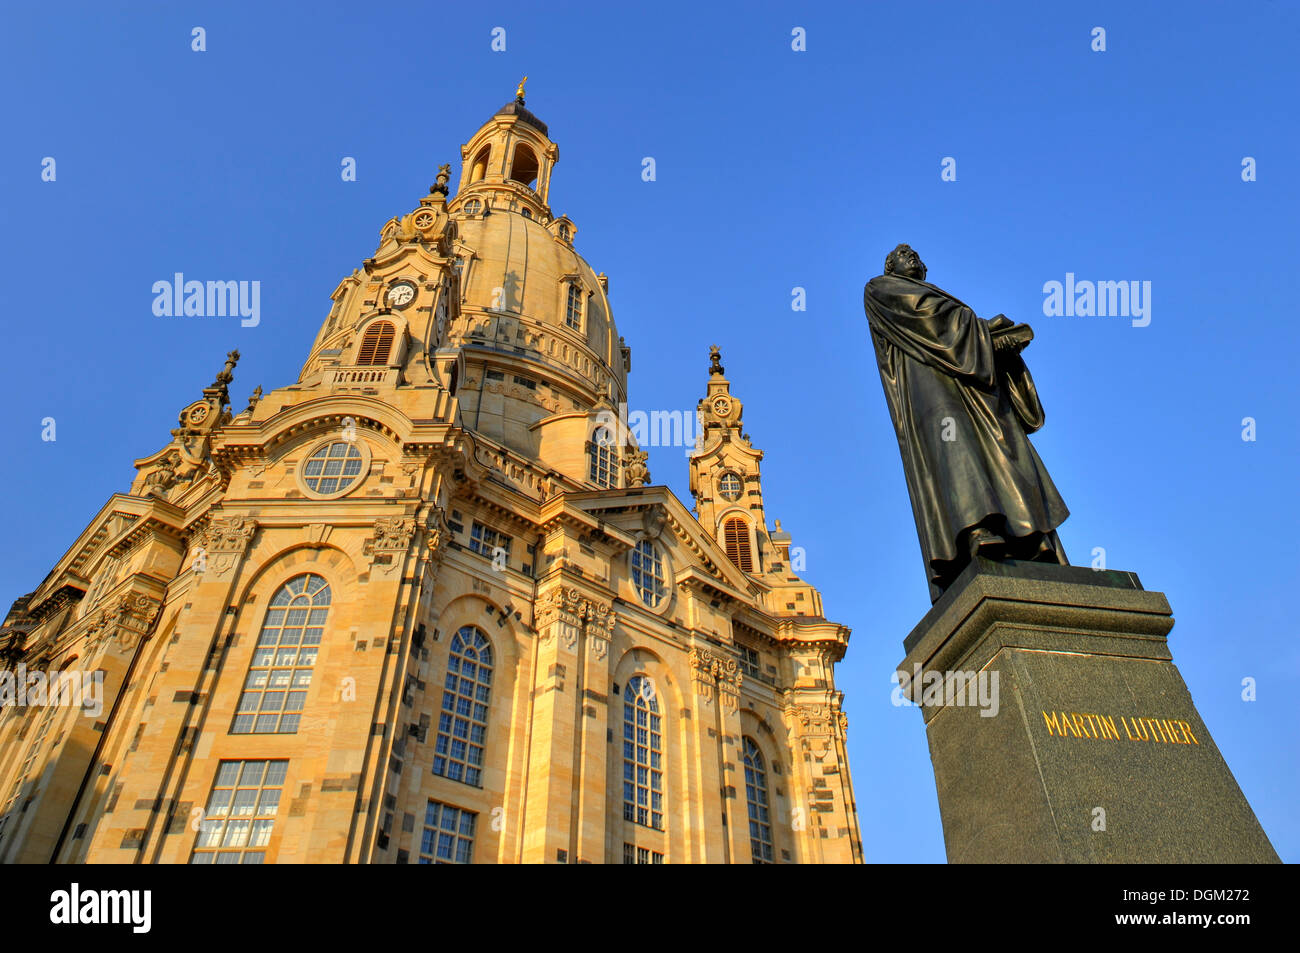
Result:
{"points": [[999, 321], [1012, 338]]}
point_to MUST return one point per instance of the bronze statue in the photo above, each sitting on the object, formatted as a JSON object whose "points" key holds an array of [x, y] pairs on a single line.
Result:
{"points": [[963, 405]]}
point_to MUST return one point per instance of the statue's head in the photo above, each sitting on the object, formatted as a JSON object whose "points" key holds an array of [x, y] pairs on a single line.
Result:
{"points": [[903, 261]]}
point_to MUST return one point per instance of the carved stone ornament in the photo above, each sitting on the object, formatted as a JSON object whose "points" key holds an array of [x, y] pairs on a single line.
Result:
{"points": [[187, 457], [710, 672], [392, 538], [634, 463], [392, 534], [600, 628], [814, 719], [653, 521], [126, 620], [437, 531], [566, 610], [818, 727], [219, 545], [227, 534]]}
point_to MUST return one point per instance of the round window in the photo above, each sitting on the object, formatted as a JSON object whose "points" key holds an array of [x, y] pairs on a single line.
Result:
{"points": [[332, 468], [472, 207], [729, 486]]}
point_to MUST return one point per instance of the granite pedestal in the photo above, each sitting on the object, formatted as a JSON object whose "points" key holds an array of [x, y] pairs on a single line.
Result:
{"points": [[1060, 730]]}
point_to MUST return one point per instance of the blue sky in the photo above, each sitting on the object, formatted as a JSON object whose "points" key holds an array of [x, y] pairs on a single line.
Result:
{"points": [[775, 169]]}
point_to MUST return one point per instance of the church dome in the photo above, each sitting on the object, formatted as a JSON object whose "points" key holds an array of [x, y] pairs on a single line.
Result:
{"points": [[535, 325], [523, 272], [516, 108]]}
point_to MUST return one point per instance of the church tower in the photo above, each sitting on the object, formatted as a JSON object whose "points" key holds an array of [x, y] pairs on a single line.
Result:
{"points": [[422, 605]]}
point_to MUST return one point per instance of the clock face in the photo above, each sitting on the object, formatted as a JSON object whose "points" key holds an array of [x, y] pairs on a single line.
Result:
{"points": [[721, 406], [401, 294]]}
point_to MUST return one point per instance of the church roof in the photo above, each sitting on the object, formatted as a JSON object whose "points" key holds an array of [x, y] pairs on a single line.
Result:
{"points": [[516, 108]]}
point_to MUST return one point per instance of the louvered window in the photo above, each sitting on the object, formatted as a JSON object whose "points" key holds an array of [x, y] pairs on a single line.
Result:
{"points": [[376, 344], [735, 537]]}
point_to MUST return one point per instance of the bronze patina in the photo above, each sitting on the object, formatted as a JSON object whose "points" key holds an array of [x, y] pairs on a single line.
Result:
{"points": [[963, 405]]}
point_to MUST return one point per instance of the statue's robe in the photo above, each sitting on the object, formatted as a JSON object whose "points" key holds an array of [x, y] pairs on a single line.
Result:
{"points": [[942, 379]]}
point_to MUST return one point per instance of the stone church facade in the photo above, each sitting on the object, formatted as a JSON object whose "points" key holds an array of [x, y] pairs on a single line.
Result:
{"points": [[425, 605]]}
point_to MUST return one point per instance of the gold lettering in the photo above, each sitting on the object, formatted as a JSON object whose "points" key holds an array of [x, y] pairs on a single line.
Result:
{"points": [[1061, 724]]}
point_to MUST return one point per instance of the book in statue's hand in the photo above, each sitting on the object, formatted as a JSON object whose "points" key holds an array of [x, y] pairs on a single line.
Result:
{"points": [[1014, 337]]}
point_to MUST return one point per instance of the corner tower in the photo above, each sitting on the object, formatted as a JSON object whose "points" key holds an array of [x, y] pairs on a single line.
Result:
{"points": [[728, 491]]}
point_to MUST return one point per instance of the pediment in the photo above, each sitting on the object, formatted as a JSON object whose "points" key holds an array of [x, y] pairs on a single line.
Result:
{"points": [[656, 512]]}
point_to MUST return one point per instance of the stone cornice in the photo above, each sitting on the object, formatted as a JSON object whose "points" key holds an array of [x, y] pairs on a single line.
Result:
{"points": [[136, 515]]}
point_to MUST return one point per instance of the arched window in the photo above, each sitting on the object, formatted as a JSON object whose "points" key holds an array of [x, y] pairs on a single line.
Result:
{"points": [[573, 307], [643, 753], [648, 573], [280, 672], [760, 821], [564, 232], [376, 344], [462, 725], [603, 459], [479, 168], [735, 537], [524, 168]]}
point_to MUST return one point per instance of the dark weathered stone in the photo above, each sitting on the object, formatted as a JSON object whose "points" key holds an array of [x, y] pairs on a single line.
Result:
{"points": [[1066, 641]]}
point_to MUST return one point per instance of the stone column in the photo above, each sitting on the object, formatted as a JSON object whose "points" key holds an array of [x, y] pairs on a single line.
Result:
{"points": [[593, 733], [716, 679], [548, 806]]}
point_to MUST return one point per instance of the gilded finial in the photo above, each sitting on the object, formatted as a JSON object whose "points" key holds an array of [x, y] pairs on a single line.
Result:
{"points": [[519, 91]]}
